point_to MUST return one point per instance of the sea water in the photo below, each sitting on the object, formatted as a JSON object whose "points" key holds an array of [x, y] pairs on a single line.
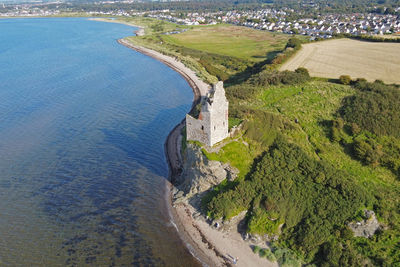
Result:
{"points": [[83, 121]]}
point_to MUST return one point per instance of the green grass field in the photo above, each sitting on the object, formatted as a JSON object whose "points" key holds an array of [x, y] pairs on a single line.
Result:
{"points": [[229, 40]]}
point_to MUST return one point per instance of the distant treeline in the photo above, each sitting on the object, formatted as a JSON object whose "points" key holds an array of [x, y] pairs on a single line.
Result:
{"points": [[340, 6], [369, 38], [176, 6]]}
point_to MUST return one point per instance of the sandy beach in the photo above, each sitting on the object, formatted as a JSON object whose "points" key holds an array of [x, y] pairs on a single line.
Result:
{"points": [[210, 246], [139, 32]]}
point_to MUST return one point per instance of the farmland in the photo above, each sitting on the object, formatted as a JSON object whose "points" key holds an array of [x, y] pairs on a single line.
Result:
{"points": [[330, 59]]}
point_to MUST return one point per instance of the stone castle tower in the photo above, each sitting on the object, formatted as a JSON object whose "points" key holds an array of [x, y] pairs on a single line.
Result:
{"points": [[212, 123]]}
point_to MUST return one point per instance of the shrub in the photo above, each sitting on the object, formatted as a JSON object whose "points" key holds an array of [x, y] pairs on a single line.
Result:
{"points": [[367, 150], [220, 74], [287, 257], [355, 129], [338, 123], [266, 253], [267, 77], [256, 249], [262, 253], [345, 79], [263, 222], [269, 255], [263, 128], [374, 108], [335, 135], [302, 71], [293, 43], [242, 91]]}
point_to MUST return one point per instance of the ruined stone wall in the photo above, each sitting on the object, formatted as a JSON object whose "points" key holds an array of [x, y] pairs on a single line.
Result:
{"points": [[212, 125], [198, 130], [219, 115]]}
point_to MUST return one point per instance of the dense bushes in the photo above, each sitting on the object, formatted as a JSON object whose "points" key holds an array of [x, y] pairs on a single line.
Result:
{"points": [[294, 43], [268, 77], [345, 79], [262, 221], [292, 46], [371, 118], [220, 74], [370, 149], [375, 38], [263, 127], [249, 89], [243, 91], [369, 38], [374, 108], [310, 197]]}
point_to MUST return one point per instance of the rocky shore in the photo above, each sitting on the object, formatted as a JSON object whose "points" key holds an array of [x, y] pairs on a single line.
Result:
{"points": [[191, 175]]}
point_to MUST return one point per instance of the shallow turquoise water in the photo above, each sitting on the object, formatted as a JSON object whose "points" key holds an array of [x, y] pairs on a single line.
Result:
{"points": [[83, 121]]}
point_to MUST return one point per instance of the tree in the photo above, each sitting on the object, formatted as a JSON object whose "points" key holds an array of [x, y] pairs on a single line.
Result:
{"points": [[294, 43], [303, 71]]}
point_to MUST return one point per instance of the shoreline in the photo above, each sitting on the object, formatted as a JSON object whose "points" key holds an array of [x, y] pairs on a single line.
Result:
{"points": [[139, 32], [211, 247], [172, 148]]}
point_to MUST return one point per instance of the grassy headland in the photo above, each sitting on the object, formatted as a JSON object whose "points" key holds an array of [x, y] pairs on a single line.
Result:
{"points": [[215, 52], [306, 168]]}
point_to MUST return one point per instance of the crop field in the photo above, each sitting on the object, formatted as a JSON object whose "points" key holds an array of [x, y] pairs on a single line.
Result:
{"points": [[359, 59], [228, 40]]}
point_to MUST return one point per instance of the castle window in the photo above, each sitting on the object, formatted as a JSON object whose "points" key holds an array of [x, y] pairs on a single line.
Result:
{"points": [[214, 128], [202, 127]]}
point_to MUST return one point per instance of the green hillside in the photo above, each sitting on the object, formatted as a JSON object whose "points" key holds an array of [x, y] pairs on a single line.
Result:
{"points": [[306, 186], [312, 156]]}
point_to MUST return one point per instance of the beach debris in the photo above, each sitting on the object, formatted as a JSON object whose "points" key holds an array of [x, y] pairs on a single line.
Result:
{"points": [[234, 260]]}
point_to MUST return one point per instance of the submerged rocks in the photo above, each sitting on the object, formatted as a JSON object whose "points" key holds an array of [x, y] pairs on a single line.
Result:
{"points": [[365, 228]]}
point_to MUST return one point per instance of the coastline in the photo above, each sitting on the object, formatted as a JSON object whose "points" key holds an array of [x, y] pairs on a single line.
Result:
{"points": [[211, 247], [139, 32], [172, 150]]}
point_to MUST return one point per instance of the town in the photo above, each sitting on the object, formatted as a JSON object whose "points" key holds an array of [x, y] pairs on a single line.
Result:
{"points": [[385, 22], [277, 21]]}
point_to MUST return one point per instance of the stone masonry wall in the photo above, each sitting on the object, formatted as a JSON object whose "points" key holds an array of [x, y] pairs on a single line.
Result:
{"points": [[219, 115], [212, 125], [198, 130]]}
